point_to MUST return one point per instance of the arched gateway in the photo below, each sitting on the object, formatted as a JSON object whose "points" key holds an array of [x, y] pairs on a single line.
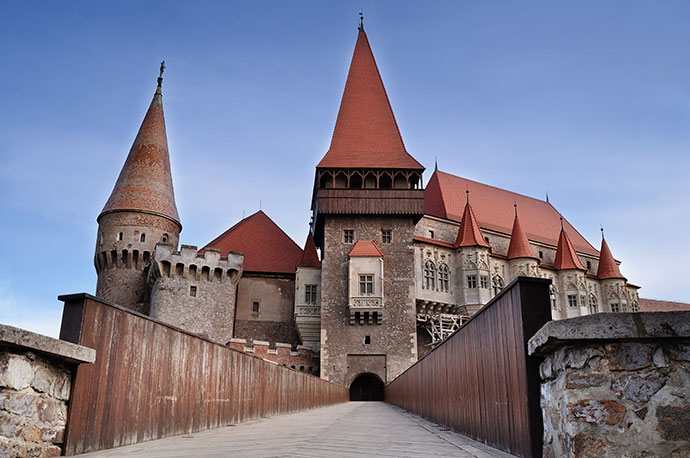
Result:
{"points": [[366, 387]]}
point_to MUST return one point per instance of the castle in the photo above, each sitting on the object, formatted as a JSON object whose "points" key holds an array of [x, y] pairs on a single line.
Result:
{"points": [[389, 269]]}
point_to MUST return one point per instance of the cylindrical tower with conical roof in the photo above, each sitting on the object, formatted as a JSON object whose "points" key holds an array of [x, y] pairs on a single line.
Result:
{"points": [[140, 213]]}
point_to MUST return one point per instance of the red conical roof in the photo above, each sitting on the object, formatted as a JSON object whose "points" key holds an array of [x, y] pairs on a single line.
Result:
{"points": [[608, 268], [519, 245], [566, 257], [366, 134], [310, 258], [469, 233], [145, 181]]}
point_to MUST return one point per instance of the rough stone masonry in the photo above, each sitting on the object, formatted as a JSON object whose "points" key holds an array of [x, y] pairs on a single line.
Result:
{"points": [[616, 385], [35, 384]]}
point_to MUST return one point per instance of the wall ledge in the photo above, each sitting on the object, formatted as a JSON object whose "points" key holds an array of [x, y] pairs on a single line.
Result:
{"points": [[27, 340], [610, 326]]}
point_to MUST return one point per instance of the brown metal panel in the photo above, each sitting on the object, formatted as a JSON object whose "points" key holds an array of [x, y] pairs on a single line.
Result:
{"points": [[151, 380], [480, 381]]}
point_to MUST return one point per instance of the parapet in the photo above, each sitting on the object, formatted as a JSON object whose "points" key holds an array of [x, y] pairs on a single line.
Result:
{"points": [[188, 263]]}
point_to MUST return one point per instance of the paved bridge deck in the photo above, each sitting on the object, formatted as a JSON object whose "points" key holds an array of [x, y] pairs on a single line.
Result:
{"points": [[344, 430]]}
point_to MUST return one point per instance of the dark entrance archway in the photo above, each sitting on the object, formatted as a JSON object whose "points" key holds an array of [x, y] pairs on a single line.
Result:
{"points": [[366, 387]]}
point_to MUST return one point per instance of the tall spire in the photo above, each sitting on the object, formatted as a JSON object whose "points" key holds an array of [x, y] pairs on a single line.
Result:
{"points": [[519, 244], [608, 268], [310, 258], [366, 133], [145, 181], [566, 257], [469, 233]]}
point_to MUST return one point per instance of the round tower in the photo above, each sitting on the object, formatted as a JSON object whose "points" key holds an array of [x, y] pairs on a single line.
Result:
{"points": [[140, 213]]}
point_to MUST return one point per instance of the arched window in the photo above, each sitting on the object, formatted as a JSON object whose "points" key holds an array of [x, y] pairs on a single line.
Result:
{"points": [[552, 296], [634, 307], [430, 275], [497, 283], [142, 237], [592, 303], [443, 282]]}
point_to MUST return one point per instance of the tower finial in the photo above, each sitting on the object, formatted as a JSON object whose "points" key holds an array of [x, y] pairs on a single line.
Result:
{"points": [[547, 197], [562, 230], [602, 231], [515, 205], [361, 20], [160, 75], [435, 163], [468, 195]]}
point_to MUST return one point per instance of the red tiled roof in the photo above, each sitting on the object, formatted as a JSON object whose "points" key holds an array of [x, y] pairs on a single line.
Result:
{"points": [[366, 134], [145, 181], [566, 258], [444, 197], [519, 245], [434, 242], [607, 265], [653, 305], [469, 233], [365, 248], [265, 246], [310, 258]]}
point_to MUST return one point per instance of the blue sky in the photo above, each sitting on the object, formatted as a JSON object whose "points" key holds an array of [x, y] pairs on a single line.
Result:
{"points": [[588, 100]]}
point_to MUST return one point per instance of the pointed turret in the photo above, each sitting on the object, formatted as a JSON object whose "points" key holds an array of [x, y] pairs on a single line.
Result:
{"points": [[608, 268], [140, 213], [366, 134], [469, 233], [145, 181], [519, 244], [310, 258], [566, 257]]}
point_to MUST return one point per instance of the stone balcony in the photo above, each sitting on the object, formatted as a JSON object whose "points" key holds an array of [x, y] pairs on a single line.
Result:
{"points": [[366, 310]]}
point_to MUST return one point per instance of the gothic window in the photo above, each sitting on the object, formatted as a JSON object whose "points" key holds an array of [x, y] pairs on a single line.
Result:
{"points": [[430, 275], [634, 307], [484, 281], [471, 281], [349, 236], [386, 236], [443, 283], [552, 296], [497, 284], [592, 303], [572, 300], [310, 294], [366, 284]]}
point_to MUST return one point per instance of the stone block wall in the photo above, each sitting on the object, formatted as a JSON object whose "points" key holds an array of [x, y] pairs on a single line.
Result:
{"points": [[616, 385], [302, 359], [35, 384]]}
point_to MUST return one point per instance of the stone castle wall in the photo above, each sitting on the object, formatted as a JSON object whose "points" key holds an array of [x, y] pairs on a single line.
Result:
{"points": [[392, 347], [616, 385], [302, 359], [35, 385]]}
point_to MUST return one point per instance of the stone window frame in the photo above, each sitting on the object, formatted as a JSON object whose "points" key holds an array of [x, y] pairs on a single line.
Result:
{"points": [[484, 282], [572, 300], [444, 277], [366, 284], [193, 291], [256, 306], [472, 281], [593, 304], [615, 307], [429, 275], [348, 236], [386, 236], [498, 284], [310, 294]]}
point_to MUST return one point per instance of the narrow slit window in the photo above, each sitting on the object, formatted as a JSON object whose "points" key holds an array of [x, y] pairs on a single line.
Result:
{"points": [[255, 307], [192, 291]]}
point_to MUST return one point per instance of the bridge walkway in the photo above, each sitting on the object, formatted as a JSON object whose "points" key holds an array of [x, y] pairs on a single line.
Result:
{"points": [[353, 429]]}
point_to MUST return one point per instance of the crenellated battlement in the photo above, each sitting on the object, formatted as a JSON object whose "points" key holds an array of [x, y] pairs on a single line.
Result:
{"points": [[189, 264]]}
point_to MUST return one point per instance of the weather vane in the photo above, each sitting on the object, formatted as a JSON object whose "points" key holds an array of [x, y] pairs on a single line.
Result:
{"points": [[361, 20], [160, 76]]}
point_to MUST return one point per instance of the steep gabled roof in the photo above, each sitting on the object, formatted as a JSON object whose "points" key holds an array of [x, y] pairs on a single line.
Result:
{"points": [[366, 134], [310, 258], [444, 197], [519, 245], [365, 248], [608, 268], [566, 257], [145, 181], [265, 246], [469, 233]]}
